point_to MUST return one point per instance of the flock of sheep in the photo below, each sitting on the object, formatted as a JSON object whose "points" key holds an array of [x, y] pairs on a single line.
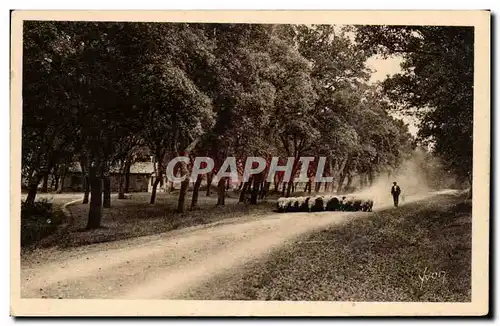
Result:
{"points": [[324, 203]]}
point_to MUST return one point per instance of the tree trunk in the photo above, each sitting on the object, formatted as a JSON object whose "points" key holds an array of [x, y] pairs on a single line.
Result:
{"points": [[283, 192], [277, 182], [257, 183], [184, 187], [60, 187], [127, 177], [349, 182], [308, 187], [243, 191], [289, 188], [53, 180], [265, 190], [210, 177], [196, 191], [32, 189], [95, 210], [332, 163], [182, 195], [343, 173], [56, 182], [86, 181], [370, 177], [341, 182], [106, 192], [121, 181], [317, 187], [45, 183], [121, 188], [86, 185], [221, 192], [153, 191]]}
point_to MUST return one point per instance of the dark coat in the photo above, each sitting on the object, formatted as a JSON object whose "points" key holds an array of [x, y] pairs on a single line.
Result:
{"points": [[395, 190]]}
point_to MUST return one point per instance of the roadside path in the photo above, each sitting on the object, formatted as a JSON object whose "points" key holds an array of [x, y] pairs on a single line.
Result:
{"points": [[165, 266]]}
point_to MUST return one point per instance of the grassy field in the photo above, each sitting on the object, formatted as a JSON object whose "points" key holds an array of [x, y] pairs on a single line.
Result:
{"points": [[134, 217], [417, 252]]}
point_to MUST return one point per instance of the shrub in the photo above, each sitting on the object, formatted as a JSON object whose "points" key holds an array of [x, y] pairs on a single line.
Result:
{"points": [[38, 221], [41, 208]]}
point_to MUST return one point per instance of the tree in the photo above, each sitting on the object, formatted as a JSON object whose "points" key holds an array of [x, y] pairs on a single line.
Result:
{"points": [[176, 111], [240, 93], [101, 91], [212, 90], [338, 71], [436, 84], [294, 122], [49, 121]]}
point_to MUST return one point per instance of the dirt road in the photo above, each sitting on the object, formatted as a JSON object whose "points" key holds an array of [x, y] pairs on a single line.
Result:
{"points": [[166, 265]]}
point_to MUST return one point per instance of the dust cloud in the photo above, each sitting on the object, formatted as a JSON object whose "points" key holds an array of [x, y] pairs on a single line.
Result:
{"points": [[419, 175]]}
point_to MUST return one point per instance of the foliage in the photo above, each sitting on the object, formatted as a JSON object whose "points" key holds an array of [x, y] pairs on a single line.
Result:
{"points": [[105, 90], [436, 84], [38, 220]]}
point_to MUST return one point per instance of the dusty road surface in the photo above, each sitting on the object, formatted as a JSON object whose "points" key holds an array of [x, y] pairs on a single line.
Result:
{"points": [[165, 266]]}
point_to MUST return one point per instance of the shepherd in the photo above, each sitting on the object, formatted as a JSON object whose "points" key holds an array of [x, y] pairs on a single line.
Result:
{"points": [[395, 191]]}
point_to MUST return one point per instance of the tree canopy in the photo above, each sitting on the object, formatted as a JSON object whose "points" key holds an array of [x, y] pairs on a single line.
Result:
{"points": [[103, 90], [436, 84]]}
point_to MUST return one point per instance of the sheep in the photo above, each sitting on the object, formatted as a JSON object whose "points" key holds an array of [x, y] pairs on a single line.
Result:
{"points": [[304, 205], [326, 200], [289, 204], [281, 204], [357, 204], [292, 204], [347, 203], [332, 204], [299, 203], [318, 205], [323, 203], [342, 203], [310, 203], [367, 205]]}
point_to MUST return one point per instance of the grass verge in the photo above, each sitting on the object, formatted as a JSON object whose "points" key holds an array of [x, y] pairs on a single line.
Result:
{"points": [[135, 217], [417, 252]]}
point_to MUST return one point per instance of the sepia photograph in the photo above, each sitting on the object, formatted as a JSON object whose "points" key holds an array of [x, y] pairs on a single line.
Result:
{"points": [[243, 163]]}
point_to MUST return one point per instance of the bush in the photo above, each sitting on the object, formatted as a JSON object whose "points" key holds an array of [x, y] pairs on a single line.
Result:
{"points": [[41, 208], [38, 221]]}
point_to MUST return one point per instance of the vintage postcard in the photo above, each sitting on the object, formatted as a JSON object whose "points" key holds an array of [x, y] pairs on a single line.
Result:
{"points": [[250, 163]]}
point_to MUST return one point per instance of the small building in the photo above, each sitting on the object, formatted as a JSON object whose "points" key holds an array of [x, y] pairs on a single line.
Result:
{"points": [[139, 177]]}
